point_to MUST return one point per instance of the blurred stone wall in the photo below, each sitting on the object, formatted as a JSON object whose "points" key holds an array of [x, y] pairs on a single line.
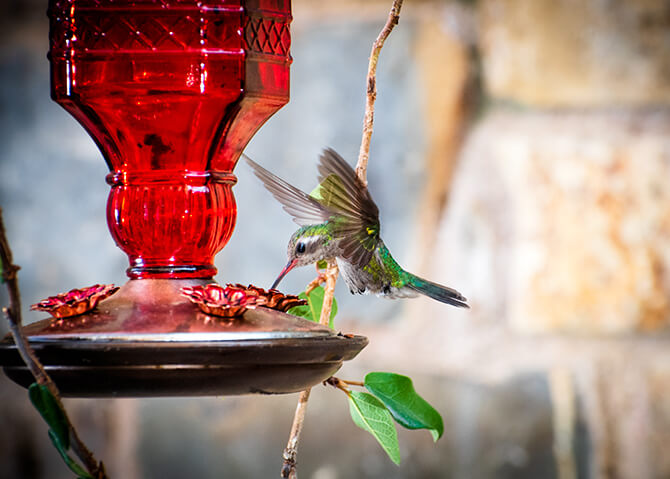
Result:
{"points": [[557, 228], [521, 155]]}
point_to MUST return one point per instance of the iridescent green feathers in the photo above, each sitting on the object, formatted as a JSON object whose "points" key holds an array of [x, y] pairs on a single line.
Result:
{"points": [[340, 219], [436, 291]]}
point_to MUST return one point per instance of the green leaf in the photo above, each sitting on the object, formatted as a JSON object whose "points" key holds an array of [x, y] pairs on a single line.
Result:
{"points": [[371, 415], [50, 410], [322, 264], [71, 463], [408, 408], [312, 310], [302, 311], [59, 433]]}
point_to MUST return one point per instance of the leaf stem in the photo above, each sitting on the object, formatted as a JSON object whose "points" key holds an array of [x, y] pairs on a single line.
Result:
{"points": [[353, 383], [339, 384], [15, 320]]}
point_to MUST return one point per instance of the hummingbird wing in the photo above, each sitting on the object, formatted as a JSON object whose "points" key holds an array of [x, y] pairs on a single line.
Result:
{"points": [[304, 209], [357, 224]]}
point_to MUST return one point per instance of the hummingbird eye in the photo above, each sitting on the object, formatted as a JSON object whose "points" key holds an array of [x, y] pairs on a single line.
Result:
{"points": [[300, 247]]}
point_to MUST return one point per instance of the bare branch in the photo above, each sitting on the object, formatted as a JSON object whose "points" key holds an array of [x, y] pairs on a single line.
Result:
{"points": [[364, 153], [331, 278], [13, 315], [288, 470]]}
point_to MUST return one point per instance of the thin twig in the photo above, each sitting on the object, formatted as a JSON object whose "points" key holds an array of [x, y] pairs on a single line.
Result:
{"points": [[331, 278], [364, 153], [318, 281], [13, 315], [289, 470]]}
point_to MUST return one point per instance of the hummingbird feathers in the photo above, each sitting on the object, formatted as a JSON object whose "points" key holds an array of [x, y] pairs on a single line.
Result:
{"points": [[304, 209], [339, 219]]}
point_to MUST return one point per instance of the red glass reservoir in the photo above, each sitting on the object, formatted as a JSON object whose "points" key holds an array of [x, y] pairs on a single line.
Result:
{"points": [[171, 91]]}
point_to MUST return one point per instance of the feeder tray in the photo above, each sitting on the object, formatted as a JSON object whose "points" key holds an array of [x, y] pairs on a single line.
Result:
{"points": [[149, 340]]}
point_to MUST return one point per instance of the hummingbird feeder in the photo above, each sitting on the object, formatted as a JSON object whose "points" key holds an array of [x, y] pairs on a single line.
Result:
{"points": [[171, 91]]}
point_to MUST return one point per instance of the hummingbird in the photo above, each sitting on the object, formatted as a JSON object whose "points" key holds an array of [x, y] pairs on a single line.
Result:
{"points": [[340, 220]]}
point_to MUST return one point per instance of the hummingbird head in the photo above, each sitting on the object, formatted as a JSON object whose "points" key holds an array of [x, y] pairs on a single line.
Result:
{"points": [[307, 245]]}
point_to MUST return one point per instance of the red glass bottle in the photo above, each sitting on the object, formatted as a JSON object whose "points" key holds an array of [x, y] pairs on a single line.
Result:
{"points": [[171, 91]]}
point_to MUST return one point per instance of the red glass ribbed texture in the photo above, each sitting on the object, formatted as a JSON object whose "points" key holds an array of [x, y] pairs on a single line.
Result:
{"points": [[171, 91]]}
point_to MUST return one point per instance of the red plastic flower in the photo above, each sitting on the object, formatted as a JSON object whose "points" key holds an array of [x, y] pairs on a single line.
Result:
{"points": [[75, 301], [227, 301], [274, 299]]}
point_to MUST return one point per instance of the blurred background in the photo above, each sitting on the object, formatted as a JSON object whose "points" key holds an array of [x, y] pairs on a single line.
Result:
{"points": [[521, 154]]}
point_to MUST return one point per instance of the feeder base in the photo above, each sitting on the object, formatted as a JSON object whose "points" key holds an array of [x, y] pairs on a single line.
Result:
{"points": [[148, 340]]}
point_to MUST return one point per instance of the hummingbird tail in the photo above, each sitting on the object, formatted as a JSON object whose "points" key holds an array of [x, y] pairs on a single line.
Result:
{"points": [[437, 291]]}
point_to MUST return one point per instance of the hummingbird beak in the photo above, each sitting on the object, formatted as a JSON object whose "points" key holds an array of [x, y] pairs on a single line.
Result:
{"points": [[289, 266]]}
